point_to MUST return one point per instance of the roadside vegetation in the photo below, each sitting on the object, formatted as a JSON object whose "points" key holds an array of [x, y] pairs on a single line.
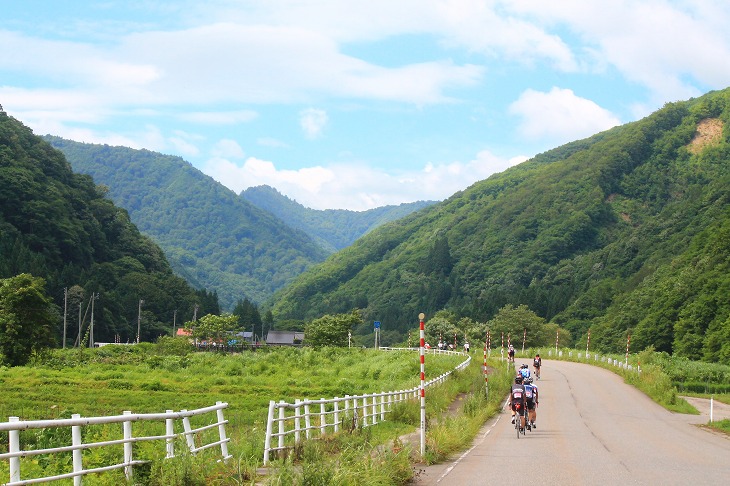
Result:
{"points": [[150, 378]]}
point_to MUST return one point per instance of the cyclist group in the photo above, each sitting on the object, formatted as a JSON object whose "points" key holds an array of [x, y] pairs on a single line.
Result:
{"points": [[524, 397]]}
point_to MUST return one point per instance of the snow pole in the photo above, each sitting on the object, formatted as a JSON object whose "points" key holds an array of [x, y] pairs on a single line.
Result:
{"points": [[502, 349], [421, 317], [486, 377]]}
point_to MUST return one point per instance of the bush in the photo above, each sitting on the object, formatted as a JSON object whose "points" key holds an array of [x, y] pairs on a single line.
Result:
{"points": [[175, 346]]}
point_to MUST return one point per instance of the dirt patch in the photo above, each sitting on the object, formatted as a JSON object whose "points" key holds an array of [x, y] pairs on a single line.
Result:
{"points": [[709, 132]]}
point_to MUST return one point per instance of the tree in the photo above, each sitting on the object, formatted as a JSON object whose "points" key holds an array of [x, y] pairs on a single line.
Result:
{"points": [[217, 329], [514, 321], [331, 330], [27, 318]]}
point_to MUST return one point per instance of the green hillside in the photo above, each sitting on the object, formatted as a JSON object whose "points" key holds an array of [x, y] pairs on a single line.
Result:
{"points": [[212, 237], [60, 226], [333, 229], [624, 232]]}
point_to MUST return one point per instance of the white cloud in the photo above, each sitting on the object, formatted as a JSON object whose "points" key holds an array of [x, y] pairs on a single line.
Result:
{"points": [[220, 117], [560, 116], [357, 186], [673, 48], [313, 121], [227, 148]]}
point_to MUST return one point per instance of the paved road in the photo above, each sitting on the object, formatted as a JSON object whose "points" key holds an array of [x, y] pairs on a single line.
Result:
{"points": [[593, 429]]}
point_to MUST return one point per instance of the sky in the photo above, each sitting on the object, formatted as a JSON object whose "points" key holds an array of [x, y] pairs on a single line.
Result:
{"points": [[344, 104]]}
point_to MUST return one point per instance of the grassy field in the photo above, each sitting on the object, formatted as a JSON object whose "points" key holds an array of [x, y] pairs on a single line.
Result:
{"points": [[154, 378]]}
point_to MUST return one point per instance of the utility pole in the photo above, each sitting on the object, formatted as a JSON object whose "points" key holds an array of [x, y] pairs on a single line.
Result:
{"points": [[94, 296], [78, 339], [65, 307], [139, 319]]}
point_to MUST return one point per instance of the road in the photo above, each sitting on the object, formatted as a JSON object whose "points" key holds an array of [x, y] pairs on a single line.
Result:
{"points": [[592, 429]]}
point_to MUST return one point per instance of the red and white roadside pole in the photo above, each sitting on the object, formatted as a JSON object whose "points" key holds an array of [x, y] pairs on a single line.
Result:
{"points": [[588, 342], [557, 337], [421, 317], [486, 377], [502, 349], [628, 340]]}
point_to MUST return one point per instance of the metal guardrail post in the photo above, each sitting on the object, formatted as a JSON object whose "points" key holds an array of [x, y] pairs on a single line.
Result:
{"points": [[14, 446], [269, 429], [76, 454], [188, 433], [307, 420], [337, 414], [282, 415], [170, 441], [127, 431], [322, 418], [297, 421], [222, 433]]}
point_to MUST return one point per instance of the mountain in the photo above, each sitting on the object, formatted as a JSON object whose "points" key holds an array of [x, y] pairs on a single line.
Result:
{"points": [[212, 237], [60, 226], [623, 233], [333, 229]]}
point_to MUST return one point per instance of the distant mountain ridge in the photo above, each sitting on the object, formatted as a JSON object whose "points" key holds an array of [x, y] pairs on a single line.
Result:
{"points": [[245, 246], [212, 237], [334, 229]]}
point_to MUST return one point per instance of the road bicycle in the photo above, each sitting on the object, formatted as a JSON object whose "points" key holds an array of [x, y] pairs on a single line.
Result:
{"points": [[521, 413], [537, 372]]}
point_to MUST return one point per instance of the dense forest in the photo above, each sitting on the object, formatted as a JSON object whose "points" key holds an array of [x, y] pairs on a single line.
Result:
{"points": [[60, 226], [212, 237], [624, 233], [333, 229]]}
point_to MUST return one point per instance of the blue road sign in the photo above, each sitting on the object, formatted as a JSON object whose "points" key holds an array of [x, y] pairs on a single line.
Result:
{"points": [[377, 324]]}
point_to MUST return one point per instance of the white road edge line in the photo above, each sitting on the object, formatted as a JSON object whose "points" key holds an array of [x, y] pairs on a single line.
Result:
{"points": [[456, 462]]}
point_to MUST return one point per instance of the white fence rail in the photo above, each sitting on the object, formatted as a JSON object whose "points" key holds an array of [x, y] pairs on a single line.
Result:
{"points": [[76, 422], [336, 413]]}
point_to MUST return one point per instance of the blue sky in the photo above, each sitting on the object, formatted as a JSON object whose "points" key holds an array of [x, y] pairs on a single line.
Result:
{"points": [[354, 105]]}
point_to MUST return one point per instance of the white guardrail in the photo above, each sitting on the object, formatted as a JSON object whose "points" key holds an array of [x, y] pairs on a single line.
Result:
{"points": [[76, 422], [348, 412]]}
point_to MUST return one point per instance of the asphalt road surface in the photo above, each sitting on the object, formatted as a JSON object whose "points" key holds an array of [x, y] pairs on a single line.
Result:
{"points": [[592, 429]]}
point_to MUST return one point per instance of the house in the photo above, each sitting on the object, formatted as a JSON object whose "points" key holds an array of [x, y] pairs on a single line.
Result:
{"points": [[284, 338]]}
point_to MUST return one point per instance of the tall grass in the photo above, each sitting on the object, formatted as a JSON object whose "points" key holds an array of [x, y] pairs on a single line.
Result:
{"points": [[146, 378]]}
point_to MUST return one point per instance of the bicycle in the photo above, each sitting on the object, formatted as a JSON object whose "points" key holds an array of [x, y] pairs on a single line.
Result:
{"points": [[537, 372], [521, 412]]}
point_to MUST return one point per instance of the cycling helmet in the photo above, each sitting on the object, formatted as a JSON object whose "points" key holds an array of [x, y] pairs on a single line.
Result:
{"points": [[528, 380], [524, 366], [518, 379]]}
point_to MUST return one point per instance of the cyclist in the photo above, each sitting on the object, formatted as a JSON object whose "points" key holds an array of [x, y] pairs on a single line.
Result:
{"points": [[517, 400], [525, 371], [511, 354], [531, 402], [537, 363]]}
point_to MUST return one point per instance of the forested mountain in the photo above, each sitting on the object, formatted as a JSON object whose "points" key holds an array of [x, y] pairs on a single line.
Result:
{"points": [[59, 226], [211, 236], [333, 229], [626, 232]]}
